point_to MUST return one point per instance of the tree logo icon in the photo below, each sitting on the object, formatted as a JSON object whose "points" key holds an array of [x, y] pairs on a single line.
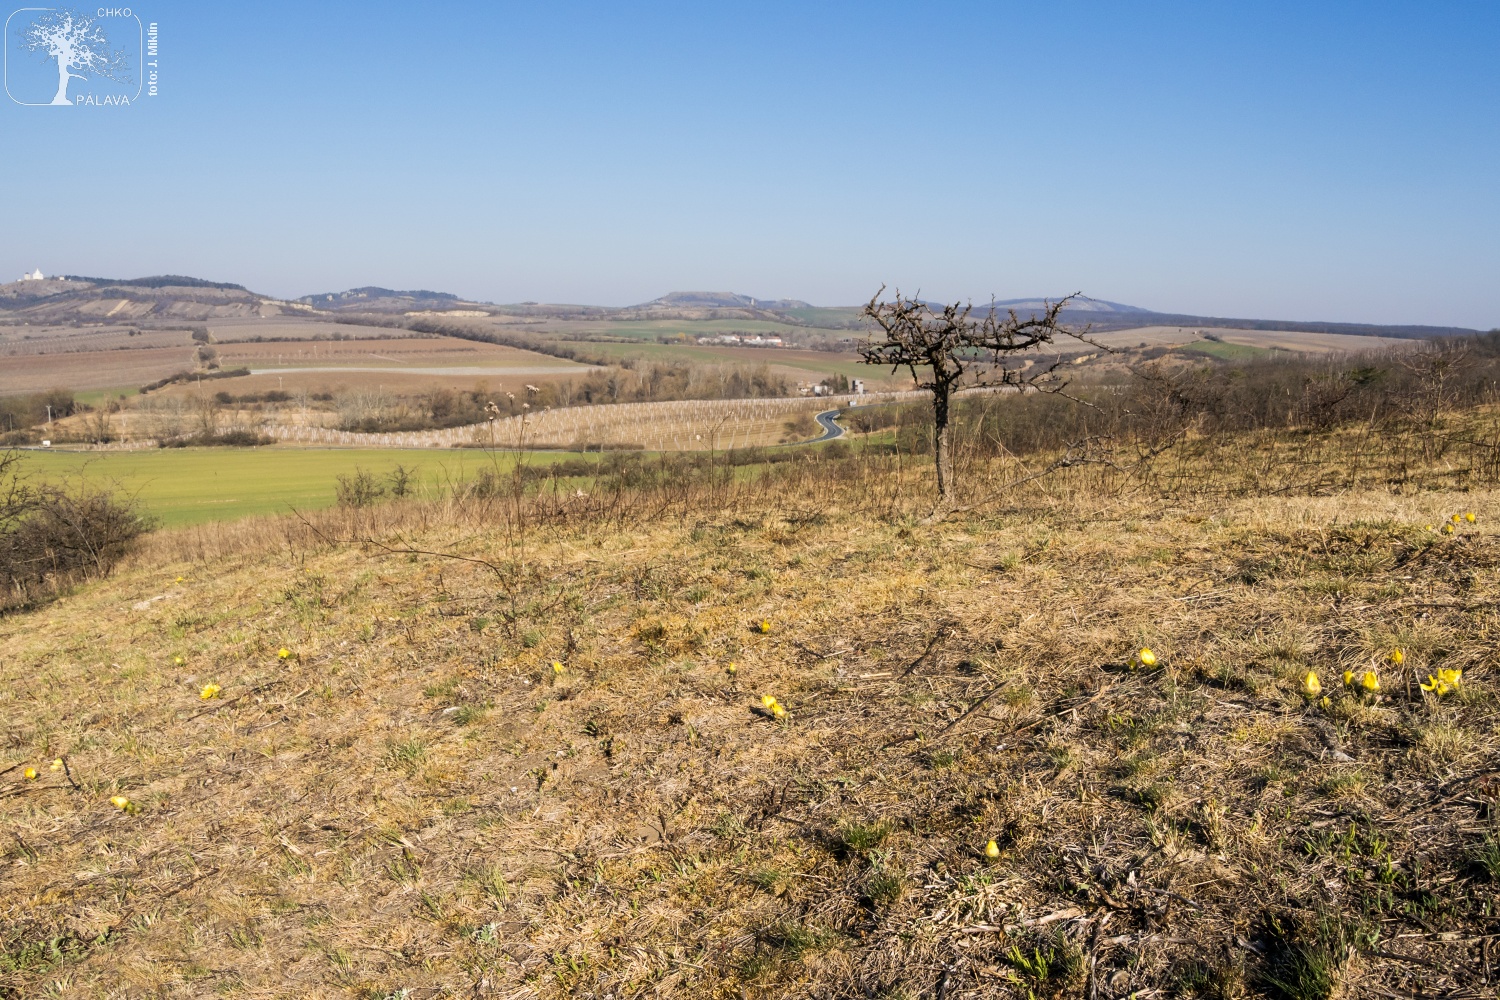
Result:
{"points": [[65, 57]]}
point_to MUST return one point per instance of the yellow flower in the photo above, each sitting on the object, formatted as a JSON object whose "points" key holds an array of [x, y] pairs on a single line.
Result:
{"points": [[731, 669], [992, 850], [1398, 657], [209, 691], [1146, 657], [557, 666], [1469, 516], [1447, 529], [1369, 681], [1311, 687], [57, 765], [778, 711], [178, 661], [1445, 681], [1429, 527], [1457, 518], [765, 626], [120, 802], [767, 701], [283, 653], [1325, 702], [1348, 678], [30, 773], [179, 579]]}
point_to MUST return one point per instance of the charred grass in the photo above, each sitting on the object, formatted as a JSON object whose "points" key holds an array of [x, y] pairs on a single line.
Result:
{"points": [[416, 802]]}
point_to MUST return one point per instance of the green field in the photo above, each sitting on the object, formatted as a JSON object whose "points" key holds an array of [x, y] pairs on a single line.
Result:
{"points": [[1224, 351], [706, 354], [193, 485]]}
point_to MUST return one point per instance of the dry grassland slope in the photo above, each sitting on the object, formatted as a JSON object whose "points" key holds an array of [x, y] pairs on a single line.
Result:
{"points": [[416, 800]]}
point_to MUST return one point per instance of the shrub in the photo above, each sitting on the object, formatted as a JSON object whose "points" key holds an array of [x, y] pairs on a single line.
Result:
{"points": [[52, 535], [358, 490]]}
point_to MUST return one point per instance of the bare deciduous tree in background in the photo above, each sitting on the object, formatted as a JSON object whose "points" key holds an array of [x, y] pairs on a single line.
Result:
{"points": [[962, 352]]}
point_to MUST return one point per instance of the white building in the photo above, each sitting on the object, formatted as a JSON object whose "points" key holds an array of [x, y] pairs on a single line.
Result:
{"points": [[857, 385], [34, 276]]}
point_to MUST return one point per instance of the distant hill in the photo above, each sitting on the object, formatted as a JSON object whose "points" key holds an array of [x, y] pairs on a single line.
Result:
{"points": [[1105, 315], [159, 281], [720, 300], [156, 299], [373, 298], [172, 297]]}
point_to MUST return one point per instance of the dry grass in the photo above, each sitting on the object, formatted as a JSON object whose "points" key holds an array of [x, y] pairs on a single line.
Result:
{"points": [[416, 801]]}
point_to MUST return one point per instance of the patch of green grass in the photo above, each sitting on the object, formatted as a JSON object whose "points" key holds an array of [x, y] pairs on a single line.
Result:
{"points": [[467, 715], [197, 485], [856, 838], [407, 753], [884, 888], [1224, 351], [1485, 857], [1050, 968], [1306, 961]]}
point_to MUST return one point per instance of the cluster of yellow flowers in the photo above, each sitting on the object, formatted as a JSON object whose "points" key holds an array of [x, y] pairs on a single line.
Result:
{"points": [[30, 773], [1442, 682], [773, 706], [1365, 680], [1456, 521]]}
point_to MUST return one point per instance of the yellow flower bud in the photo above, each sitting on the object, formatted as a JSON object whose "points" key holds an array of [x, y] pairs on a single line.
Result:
{"points": [[1147, 657], [1311, 686], [1370, 682], [1398, 657], [120, 802], [30, 773], [992, 850]]}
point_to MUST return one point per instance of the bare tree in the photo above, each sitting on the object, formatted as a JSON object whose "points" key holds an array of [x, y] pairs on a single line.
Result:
{"points": [[77, 42], [962, 352]]}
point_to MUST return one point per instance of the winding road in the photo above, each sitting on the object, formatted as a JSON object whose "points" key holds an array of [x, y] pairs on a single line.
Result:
{"points": [[831, 430]]}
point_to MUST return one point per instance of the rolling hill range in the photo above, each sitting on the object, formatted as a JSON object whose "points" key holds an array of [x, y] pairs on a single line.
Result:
{"points": [[172, 299]]}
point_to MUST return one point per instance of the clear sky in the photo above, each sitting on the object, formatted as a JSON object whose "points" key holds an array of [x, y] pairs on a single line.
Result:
{"points": [[1334, 161]]}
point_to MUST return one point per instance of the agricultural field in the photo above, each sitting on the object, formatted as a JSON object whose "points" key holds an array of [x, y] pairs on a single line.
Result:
{"points": [[181, 486], [785, 362], [1305, 342]]}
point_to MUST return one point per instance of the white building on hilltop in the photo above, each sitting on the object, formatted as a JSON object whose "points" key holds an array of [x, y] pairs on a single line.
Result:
{"points": [[36, 275]]}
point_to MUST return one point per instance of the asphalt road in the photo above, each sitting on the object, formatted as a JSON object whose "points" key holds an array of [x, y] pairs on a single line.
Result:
{"points": [[831, 430]]}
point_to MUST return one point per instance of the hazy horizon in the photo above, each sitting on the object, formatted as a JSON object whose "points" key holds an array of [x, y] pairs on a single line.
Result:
{"points": [[1271, 161]]}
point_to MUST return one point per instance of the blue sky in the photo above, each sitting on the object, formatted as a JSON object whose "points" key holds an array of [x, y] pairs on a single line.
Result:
{"points": [[1333, 161]]}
